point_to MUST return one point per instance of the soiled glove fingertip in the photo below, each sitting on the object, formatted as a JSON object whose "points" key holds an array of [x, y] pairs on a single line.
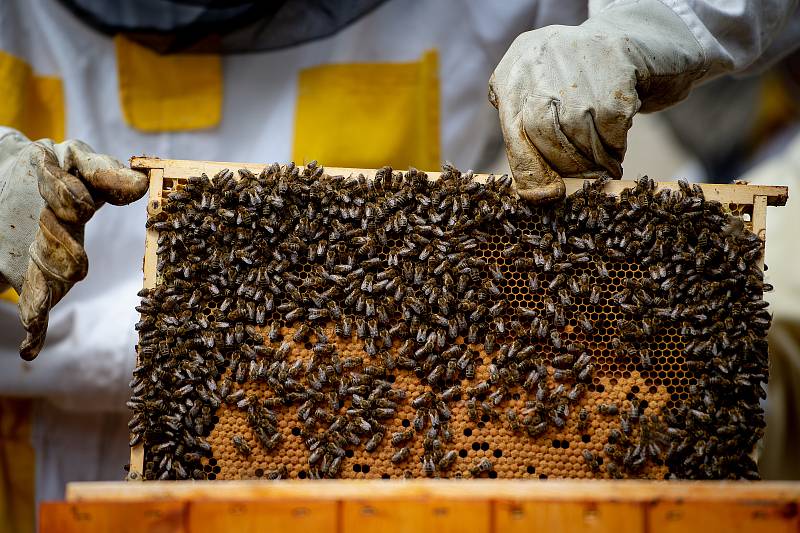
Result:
{"points": [[544, 194], [36, 331], [31, 346], [120, 186]]}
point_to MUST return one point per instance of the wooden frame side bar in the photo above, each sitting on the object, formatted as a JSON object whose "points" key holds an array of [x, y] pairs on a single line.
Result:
{"points": [[136, 472]]}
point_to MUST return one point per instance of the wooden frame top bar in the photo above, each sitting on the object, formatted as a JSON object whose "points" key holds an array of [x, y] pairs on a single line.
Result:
{"points": [[736, 194], [550, 490]]}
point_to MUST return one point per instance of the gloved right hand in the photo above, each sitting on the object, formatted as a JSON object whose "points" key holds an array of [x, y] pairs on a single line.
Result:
{"points": [[567, 94], [48, 192]]}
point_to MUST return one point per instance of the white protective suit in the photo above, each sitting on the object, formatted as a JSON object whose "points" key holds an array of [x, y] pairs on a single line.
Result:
{"points": [[83, 371]]}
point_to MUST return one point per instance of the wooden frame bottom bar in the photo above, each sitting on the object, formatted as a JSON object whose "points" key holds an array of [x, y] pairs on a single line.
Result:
{"points": [[554, 490], [479, 506]]}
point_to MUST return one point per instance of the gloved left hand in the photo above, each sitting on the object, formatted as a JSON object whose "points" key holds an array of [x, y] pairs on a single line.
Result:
{"points": [[48, 192]]}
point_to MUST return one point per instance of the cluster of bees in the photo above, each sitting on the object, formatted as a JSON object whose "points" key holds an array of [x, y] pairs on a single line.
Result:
{"points": [[392, 262]]}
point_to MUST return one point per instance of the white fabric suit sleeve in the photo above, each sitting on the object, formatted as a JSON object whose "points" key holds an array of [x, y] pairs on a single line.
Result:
{"points": [[89, 353], [734, 34]]}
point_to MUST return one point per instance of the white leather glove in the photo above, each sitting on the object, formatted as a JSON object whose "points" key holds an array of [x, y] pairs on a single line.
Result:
{"points": [[567, 94], [47, 193]]}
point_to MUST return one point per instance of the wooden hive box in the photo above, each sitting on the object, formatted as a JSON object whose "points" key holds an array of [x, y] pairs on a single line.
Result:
{"points": [[557, 452], [469, 506]]}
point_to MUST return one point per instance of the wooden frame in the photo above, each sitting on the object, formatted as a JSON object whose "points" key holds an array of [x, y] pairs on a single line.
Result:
{"points": [[466, 506], [755, 198]]}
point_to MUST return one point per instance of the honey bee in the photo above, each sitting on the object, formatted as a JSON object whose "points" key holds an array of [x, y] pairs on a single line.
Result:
{"points": [[447, 460], [428, 466], [635, 410], [625, 424], [373, 442], [497, 309], [472, 409], [563, 360], [700, 416], [423, 400], [555, 339], [274, 332], [576, 391], [241, 445], [584, 323], [401, 437], [513, 420], [610, 409], [583, 419], [613, 470], [401, 455], [591, 460], [484, 465], [489, 345]]}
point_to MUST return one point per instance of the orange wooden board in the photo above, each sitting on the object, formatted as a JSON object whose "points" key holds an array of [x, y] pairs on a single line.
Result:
{"points": [[116, 517], [257, 516], [745, 517], [409, 516], [636, 507], [569, 517]]}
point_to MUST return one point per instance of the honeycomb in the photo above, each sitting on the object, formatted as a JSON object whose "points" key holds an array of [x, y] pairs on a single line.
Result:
{"points": [[661, 388], [744, 212]]}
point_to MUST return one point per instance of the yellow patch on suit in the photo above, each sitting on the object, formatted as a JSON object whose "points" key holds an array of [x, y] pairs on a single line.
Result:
{"points": [[161, 93], [17, 467], [9, 295], [34, 105], [369, 114], [777, 108], [30, 103]]}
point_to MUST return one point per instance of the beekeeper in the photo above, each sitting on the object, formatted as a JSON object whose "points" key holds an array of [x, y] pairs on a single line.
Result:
{"points": [[375, 82]]}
